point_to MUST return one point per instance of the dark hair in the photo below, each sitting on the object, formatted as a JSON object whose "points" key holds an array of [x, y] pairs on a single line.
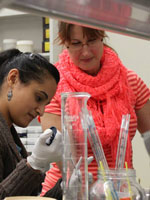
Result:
{"points": [[64, 32], [31, 66]]}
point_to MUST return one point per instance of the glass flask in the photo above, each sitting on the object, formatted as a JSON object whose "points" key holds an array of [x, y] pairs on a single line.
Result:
{"points": [[117, 185], [75, 165]]}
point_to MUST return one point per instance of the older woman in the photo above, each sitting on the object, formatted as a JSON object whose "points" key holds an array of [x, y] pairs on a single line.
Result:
{"points": [[89, 65]]}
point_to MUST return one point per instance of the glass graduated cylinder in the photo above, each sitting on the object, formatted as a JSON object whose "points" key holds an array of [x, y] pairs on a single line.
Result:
{"points": [[75, 146]]}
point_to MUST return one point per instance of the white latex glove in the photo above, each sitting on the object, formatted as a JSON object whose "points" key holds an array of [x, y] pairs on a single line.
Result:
{"points": [[43, 154], [76, 179]]}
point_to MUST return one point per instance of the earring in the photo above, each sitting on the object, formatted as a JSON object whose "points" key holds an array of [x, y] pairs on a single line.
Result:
{"points": [[102, 40], [9, 95]]}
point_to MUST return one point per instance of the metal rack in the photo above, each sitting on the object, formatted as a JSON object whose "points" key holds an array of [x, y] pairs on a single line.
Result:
{"points": [[130, 17]]}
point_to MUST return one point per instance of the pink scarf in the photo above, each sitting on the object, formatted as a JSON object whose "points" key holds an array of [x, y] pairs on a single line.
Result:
{"points": [[111, 96]]}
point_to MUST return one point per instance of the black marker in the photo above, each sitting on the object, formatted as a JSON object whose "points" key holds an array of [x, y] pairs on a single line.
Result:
{"points": [[50, 139]]}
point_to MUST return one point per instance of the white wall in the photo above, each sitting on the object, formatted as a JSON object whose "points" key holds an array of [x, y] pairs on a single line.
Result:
{"points": [[135, 55], [55, 49]]}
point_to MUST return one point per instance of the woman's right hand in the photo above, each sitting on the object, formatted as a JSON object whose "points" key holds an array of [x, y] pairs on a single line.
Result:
{"points": [[43, 154]]}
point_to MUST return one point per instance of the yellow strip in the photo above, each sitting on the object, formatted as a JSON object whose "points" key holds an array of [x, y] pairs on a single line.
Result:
{"points": [[108, 192], [129, 186]]}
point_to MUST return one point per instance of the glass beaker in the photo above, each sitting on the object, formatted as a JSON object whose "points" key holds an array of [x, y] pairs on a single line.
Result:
{"points": [[75, 166], [117, 185]]}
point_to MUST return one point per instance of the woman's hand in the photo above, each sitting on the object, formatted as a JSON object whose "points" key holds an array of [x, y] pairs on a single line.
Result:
{"points": [[45, 153]]}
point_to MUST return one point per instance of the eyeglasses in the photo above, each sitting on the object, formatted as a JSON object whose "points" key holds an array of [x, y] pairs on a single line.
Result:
{"points": [[77, 45]]}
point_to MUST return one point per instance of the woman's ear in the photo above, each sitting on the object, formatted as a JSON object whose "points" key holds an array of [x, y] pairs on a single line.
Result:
{"points": [[13, 77]]}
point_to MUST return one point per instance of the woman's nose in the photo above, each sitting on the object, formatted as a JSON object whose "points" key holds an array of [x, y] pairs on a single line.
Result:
{"points": [[40, 110], [85, 50]]}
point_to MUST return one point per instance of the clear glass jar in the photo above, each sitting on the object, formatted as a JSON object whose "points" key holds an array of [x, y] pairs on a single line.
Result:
{"points": [[117, 185]]}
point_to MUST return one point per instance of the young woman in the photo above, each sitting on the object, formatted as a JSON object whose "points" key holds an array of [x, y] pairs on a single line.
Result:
{"points": [[89, 65], [27, 83]]}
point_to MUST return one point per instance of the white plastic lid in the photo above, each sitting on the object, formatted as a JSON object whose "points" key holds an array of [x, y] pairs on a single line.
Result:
{"points": [[9, 41], [24, 42]]}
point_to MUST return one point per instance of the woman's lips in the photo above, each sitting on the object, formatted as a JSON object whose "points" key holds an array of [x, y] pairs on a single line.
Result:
{"points": [[86, 59]]}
